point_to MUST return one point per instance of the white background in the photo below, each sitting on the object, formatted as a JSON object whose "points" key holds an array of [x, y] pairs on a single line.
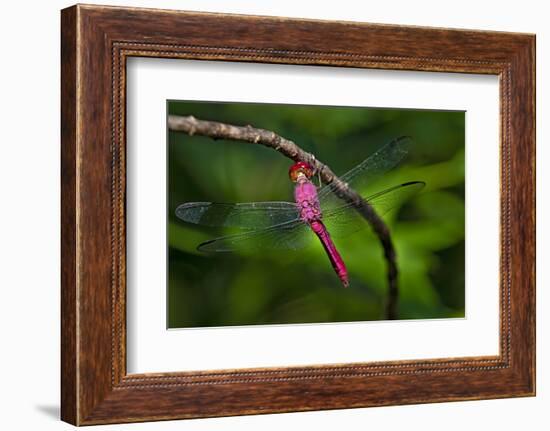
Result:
{"points": [[151, 348], [29, 225]]}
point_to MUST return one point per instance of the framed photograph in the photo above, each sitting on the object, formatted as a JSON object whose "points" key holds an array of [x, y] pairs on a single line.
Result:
{"points": [[263, 214]]}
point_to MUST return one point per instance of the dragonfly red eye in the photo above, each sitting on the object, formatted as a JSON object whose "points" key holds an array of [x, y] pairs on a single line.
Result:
{"points": [[300, 168]]}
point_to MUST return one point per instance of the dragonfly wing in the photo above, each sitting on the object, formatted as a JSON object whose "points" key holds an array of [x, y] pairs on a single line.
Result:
{"points": [[253, 215], [346, 220], [369, 170], [290, 235]]}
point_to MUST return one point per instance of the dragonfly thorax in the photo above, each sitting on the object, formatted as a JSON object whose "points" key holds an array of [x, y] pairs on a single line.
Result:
{"points": [[305, 195]]}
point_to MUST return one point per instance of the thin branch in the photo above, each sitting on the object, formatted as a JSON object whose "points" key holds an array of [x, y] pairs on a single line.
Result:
{"points": [[216, 130]]}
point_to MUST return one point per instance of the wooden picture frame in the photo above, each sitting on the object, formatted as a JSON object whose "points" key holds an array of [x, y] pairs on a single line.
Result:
{"points": [[96, 41]]}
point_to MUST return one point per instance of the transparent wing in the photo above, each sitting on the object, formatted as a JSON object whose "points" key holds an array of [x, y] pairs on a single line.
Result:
{"points": [[253, 215], [346, 220], [366, 172], [291, 235]]}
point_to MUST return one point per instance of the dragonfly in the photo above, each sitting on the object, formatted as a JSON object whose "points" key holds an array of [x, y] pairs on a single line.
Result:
{"points": [[315, 212]]}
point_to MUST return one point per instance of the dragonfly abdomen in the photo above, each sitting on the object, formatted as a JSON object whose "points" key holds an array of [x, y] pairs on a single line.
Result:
{"points": [[306, 197], [335, 259]]}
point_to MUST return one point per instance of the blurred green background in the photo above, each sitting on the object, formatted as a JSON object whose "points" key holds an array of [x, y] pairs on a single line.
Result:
{"points": [[224, 289]]}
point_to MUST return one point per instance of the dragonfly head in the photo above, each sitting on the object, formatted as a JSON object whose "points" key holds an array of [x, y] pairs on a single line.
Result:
{"points": [[298, 169]]}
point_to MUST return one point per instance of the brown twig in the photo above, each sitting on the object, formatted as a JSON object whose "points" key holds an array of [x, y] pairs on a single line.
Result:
{"points": [[216, 130]]}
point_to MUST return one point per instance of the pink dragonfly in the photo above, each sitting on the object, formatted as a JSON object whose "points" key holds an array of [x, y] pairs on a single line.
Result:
{"points": [[288, 225]]}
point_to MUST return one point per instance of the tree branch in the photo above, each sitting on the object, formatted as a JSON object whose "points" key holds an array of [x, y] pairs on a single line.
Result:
{"points": [[216, 130]]}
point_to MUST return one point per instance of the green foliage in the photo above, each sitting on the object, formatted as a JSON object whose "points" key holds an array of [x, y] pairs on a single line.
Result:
{"points": [[300, 286]]}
